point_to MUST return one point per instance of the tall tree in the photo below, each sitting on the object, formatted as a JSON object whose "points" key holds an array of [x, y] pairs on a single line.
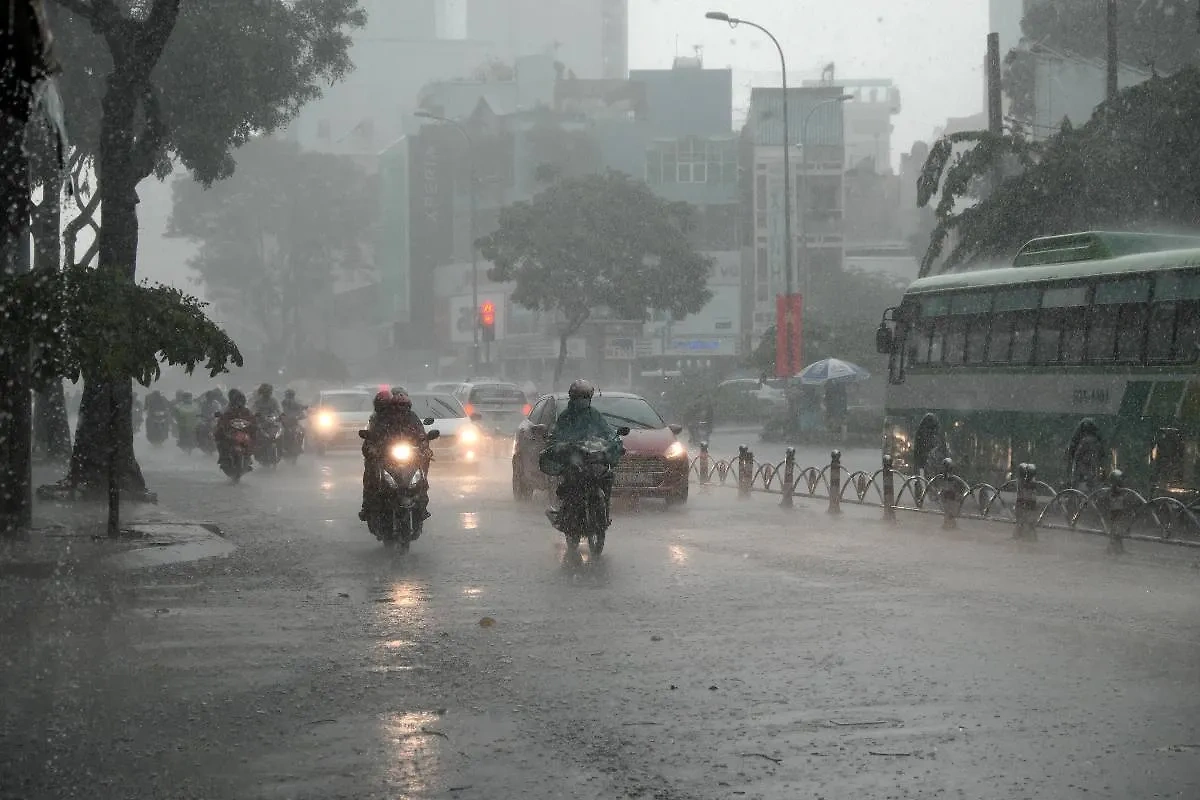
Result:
{"points": [[153, 80], [1160, 36], [1134, 165], [276, 236], [598, 241]]}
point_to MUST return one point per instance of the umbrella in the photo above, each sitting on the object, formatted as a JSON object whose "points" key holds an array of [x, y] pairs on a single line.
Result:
{"points": [[831, 370]]}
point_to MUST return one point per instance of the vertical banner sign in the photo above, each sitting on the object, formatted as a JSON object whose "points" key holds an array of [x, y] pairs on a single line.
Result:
{"points": [[789, 313]]}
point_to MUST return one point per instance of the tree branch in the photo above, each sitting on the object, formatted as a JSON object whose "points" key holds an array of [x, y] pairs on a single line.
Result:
{"points": [[71, 229], [155, 32]]}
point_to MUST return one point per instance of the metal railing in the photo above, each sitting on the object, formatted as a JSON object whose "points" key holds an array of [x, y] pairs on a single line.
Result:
{"points": [[1112, 509]]}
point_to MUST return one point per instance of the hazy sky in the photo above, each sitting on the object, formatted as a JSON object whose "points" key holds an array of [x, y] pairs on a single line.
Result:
{"points": [[933, 50]]}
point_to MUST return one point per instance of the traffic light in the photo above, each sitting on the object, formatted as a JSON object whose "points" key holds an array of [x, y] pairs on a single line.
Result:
{"points": [[487, 320]]}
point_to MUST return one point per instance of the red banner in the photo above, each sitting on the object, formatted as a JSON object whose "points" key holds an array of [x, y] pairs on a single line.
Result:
{"points": [[789, 313]]}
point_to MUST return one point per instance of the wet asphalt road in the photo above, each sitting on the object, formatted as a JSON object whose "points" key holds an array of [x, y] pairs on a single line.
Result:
{"points": [[723, 650]]}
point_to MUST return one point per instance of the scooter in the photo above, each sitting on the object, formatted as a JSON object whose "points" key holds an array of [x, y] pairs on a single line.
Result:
{"points": [[158, 427], [269, 445], [396, 517], [293, 436], [584, 472], [240, 446]]}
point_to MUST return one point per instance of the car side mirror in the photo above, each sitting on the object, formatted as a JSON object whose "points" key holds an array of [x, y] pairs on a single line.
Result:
{"points": [[433, 434], [476, 416], [428, 421], [675, 428], [623, 430], [539, 430], [362, 434], [883, 339]]}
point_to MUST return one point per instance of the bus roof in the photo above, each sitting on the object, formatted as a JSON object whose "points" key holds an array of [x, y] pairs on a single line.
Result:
{"points": [[1114, 266], [1094, 245]]}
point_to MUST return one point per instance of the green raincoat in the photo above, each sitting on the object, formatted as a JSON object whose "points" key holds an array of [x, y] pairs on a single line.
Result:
{"points": [[577, 424]]}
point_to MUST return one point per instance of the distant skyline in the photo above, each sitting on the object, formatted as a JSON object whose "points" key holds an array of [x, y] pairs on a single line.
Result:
{"points": [[932, 51]]}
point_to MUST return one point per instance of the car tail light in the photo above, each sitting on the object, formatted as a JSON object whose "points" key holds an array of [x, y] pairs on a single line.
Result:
{"points": [[525, 409], [470, 409]]}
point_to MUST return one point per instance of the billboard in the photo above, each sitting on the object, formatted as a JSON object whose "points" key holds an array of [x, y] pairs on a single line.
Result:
{"points": [[789, 311]]}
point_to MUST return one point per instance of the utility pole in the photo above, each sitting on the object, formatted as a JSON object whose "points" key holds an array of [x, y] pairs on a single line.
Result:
{"points": [[1111, 25]]}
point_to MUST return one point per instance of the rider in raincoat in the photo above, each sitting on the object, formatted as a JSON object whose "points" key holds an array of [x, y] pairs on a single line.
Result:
{"points": [[579, 423]]}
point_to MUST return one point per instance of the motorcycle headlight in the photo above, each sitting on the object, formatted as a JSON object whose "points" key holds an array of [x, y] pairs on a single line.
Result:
{"points": [[676, 450], [326, 420], [402, 453], [469, 435]]}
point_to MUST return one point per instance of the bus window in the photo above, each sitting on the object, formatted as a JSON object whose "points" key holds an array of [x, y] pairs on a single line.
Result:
{"points": [[1049, 335], [954, 336], [1001, 338], [921, 339], [977, 333], [1187, 335], [1103, 334], [1161, 334], [1074, 335], [1022, 338], [1131, 332]]}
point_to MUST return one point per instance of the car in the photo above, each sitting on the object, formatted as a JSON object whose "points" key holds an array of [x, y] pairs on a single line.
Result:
{"points": [[444, 387], [500, 406], [655, 463], [742, 397], [336, 417], [460, 440]]}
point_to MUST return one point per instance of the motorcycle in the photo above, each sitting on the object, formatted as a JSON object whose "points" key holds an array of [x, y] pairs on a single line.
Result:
{"points": [[396, 516], [206, 439], [240, 445], [185, 437], [158, 427], [270, 440], [293, 436], [583, 470]]}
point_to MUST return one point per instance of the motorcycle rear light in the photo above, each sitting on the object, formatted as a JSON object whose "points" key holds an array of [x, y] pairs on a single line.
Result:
{"points": [[525, 409]]}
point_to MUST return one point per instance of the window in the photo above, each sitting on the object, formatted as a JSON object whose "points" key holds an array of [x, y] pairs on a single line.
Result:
{"points": [[692, 161], [1118, 320], [1174, 328], [722, 162], [1062, 325], [1161, 331], [1012, 326], [762, 286], [1022, 342]]}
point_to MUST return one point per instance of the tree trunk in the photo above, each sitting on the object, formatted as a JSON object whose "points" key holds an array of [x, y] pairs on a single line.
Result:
{"points": [[100, 434], [51, 428], [16, 499], [562, 359]]}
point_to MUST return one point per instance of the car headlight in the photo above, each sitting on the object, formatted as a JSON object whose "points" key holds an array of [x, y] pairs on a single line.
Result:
{"points": [[402, 453], [326, 420], [676, 450], [469, 435]]}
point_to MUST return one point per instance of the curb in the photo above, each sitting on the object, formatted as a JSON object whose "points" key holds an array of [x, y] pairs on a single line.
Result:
{"points": [[163, 543]]}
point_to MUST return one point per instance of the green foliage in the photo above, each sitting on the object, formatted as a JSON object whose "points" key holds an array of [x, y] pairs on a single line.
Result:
{"points": [[1160, 36], [1134, 165], [230, 69], [93, 324], [599, 241], [276, 236]]}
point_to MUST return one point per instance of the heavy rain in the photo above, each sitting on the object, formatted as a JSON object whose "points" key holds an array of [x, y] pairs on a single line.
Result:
{"points": [[599, 399]]}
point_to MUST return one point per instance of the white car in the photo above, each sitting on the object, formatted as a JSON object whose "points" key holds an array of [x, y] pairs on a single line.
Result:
{"points": [[460, 440], [336, 417]]}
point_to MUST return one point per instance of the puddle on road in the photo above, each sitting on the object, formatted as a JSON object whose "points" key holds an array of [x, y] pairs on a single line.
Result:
{"points": [[416, 745], [469, 520]]}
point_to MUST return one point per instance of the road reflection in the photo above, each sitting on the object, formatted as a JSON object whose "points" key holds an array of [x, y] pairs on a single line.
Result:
{"points": [[416, 750]]}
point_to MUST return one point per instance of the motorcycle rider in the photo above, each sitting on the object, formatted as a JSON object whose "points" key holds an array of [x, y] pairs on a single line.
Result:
{"points": [[236, 410], [187, 413], [210, 405], [580, 422], [291, 406], [265, 403], [155, 401], [393, 419]]}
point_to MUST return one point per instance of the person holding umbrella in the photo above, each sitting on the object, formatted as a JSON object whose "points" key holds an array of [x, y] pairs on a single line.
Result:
{"points": [[834, 375]]}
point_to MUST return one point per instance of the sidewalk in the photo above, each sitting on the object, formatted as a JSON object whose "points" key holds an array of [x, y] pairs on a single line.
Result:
{"points": [[69, 537]]}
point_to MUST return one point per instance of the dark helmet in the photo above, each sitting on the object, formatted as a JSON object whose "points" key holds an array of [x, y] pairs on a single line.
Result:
{"points": [[266, 389], [398, 390], [382, 401], [581, 389], [402, 400], [237, 399], [290, 394]]}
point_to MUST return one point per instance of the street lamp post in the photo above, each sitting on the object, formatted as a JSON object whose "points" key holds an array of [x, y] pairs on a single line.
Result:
{"points": [[458, 126], [804, 191], [789, 346]]}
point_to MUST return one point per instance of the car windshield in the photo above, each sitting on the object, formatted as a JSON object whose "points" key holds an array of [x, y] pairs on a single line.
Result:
{"points": [[346, 402], [632, 411], [438, 406]]}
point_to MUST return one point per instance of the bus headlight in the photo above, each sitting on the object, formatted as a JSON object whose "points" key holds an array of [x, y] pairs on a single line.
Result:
{"points": [[402, 453]]}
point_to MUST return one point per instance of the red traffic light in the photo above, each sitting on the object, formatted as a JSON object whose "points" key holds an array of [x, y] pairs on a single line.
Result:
{"points": [[487, 313]]}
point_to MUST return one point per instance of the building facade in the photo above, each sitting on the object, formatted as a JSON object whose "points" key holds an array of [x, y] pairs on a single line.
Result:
{"points": [[589, 37]]}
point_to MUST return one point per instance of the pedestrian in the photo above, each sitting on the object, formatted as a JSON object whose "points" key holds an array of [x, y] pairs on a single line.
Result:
{"points": [[930, 448], [1086, 456]]}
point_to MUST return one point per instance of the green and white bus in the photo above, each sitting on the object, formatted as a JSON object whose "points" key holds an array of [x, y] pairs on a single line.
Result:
{"points": [[1099, 324]]}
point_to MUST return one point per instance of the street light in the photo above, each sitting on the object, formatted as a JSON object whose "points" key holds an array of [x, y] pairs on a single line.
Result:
{"points": [[789, 350], [458, 126], [804, 192]]}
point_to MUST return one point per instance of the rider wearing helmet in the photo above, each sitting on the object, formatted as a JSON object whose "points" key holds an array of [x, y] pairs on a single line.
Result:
{"points": [[393, 419], [265, 403], [291, 406], [236, 410], [580, 422]]}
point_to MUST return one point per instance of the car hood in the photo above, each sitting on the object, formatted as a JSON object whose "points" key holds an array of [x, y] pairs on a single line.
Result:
{"points": [[648, 441]]}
